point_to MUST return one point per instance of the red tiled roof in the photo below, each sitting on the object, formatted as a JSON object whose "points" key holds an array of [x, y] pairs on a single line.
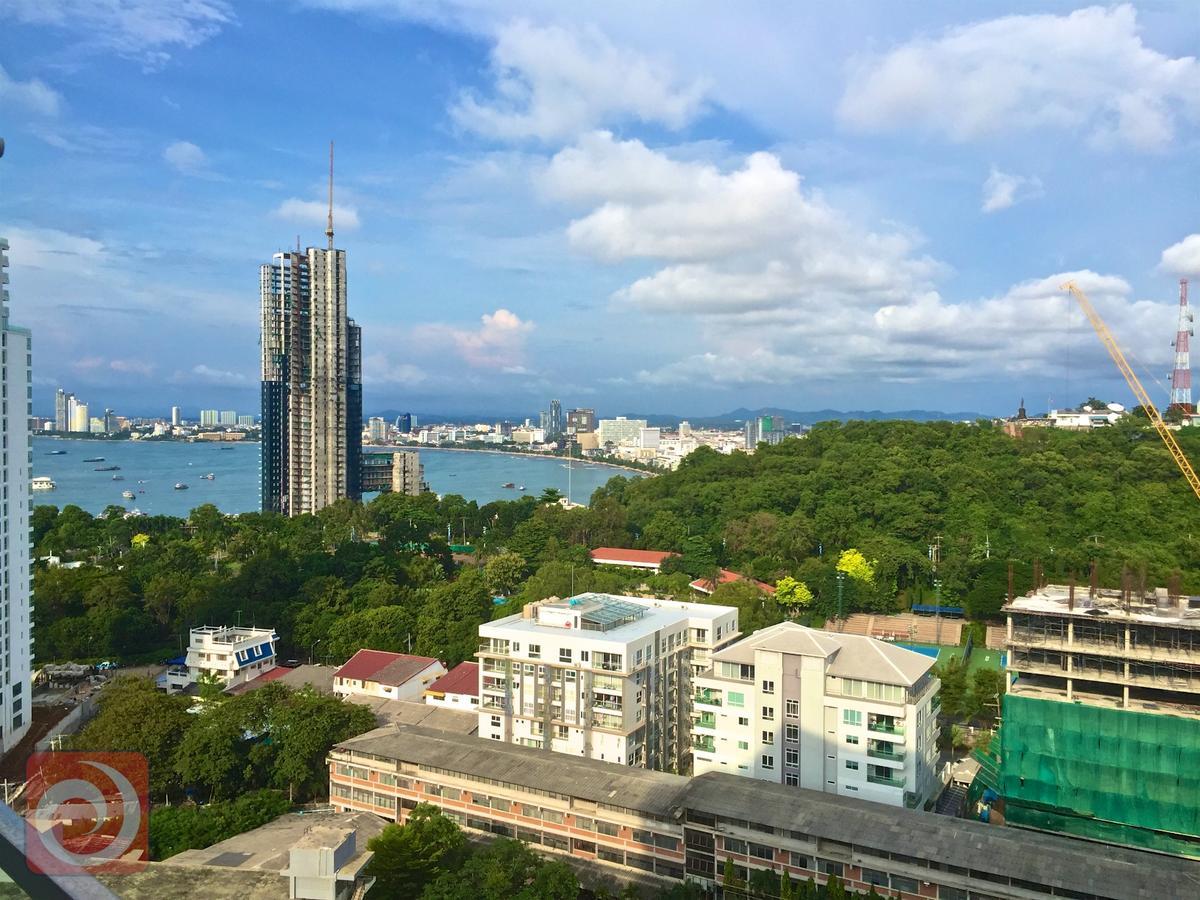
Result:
{"points": [[705, 585], [620, 554], [462, 679], [383, 667]]}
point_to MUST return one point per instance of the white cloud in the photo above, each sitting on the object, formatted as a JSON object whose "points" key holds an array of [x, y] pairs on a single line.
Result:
{"points": [[203, 374], [552, 82], [497, 344], [381, 369], [186, 157], [314, 212], [739, 241], [1183, 258], [33, 95], [145, 30], [132, 366], [1087, 71], [1003, 189]]}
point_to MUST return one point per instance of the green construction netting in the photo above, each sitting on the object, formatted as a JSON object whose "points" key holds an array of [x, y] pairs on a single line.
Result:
{"points": [[1108, 774]]}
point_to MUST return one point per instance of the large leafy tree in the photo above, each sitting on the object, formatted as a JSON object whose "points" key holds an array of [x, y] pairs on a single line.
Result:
{"points": [[409, 856]]}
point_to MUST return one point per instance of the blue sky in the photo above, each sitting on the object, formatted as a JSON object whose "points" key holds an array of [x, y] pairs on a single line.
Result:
{"points": [[673, 207]]}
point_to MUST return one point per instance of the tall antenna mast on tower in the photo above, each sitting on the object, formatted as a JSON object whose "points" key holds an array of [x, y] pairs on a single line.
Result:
{"points": [[329, 226], [1181, 378]]}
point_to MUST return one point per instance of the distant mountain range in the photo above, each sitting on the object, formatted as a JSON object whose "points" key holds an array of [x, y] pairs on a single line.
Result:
{"points": [[737, 416]]}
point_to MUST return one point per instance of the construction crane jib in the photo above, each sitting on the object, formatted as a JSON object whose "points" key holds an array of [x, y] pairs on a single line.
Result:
{"points": [[1135, 385]]}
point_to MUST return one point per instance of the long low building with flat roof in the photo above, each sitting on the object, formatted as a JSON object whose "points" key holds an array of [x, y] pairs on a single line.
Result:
{"points": [[640, 823]]}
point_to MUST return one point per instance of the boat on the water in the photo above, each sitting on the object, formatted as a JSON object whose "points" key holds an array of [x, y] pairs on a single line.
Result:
{"points": [[107, 468], [209, 476], [128, 495], [56, 453], [43, 483], [118, 478], [94, 459], [507, 484], [180, 486]]}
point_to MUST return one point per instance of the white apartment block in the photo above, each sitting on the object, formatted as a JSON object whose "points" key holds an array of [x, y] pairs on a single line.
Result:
{"points": [[845, 714], [16, 473], [620, 431], [599, 676], [233, 654]]}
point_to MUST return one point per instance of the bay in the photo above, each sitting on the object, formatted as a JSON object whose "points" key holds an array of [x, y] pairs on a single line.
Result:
{"points": [[152, 468]]}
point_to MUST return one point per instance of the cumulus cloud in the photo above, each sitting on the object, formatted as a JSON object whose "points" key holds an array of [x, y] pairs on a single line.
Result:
{"points": [[1183, 258], [145, 30], [33, 95], [552, 82], [203, 374], [381, 369], [1003, 189], [781, 285], [186, 157], [497, 344], [1088, 71], [749, 239], [314, 212]]}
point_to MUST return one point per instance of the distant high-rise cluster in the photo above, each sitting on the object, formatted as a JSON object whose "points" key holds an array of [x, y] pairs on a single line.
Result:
{"points": [[73, 415], [311, 381]]}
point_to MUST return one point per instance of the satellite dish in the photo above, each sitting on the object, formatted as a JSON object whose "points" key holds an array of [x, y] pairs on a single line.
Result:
{"points": [[1116, 407]]}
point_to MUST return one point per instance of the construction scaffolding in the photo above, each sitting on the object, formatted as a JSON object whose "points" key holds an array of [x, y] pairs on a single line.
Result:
{"points": [[1101, 773]]}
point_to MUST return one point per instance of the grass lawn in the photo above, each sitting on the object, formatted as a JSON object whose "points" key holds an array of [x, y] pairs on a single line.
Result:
{"points": [[981, 657]]}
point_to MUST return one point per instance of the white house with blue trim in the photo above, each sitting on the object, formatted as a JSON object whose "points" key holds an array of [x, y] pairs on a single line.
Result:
{"points": [[233, 654]]}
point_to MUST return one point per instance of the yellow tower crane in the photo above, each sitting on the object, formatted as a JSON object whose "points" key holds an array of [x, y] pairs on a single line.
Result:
{"points": [[1114, 350]]}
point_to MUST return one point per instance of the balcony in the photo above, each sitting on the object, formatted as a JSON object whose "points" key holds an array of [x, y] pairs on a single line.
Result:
{"points": [[887, 780], [705, 720], [883, 750], [707, 698], [911, 799], [885, 725], [704, 743]]}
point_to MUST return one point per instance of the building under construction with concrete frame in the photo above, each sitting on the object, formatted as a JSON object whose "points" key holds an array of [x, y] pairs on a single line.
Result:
{"points": [[1100, 733]]}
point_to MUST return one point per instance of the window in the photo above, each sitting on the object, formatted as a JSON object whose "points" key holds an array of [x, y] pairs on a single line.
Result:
{"points": [[761, 851], [743, 745], [564, 654], [829, 867], [735, 698], [910, 886], [791, 734], [945, 892], [535, 651], [768, 713], [552, 815], [768, 761], [768, 737], [791, 709], [608, 828], [852, 765], [733, 845], [768, 687], [791, 757], [799, 860], [791, 779], [583, 656], [495, 721], [851, 739], [851, 717], [585, 824], [743, 721], [874, 876]]}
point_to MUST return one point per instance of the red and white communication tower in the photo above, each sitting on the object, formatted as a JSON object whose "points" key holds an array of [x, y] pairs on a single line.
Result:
{"points": [[1181, 377]]}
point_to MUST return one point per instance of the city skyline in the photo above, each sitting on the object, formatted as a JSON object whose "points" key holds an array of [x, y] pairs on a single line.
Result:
{"points": [[819, 228]]}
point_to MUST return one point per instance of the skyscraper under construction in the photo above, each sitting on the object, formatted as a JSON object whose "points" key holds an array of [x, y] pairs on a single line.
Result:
{"points": [[311, 380]]}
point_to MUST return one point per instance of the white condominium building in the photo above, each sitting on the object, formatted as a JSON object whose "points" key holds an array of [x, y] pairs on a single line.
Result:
{"points": [[620, 431], [231, 654], [841, 713], [599, 676], [15, 624]]}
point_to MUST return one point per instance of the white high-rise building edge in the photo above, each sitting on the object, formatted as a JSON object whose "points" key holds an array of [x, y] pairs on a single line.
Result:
{"points": [[841, 713], [175, 416], [599, 676], [16, 355]]}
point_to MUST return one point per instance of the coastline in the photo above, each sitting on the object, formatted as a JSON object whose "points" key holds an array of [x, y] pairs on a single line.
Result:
{"points": [[586, 462]]}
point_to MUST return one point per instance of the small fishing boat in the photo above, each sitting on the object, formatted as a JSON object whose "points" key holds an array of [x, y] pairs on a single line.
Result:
{"points": [[107, 468], [118, 478], [520, 487], [208, 476], [507, 484], [56, 453], [94, 459], [180, 486], [128, 495]]}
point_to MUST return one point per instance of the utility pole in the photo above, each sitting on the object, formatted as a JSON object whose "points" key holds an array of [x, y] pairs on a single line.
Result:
{"points": [[841, 580]]}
